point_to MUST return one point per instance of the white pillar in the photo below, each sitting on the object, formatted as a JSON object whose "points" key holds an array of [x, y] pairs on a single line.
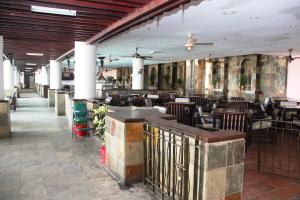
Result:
{"points": [[137, 74], [44, 76], [16, 76], [85, 71], [55, 75], [22, 79], [8, 75], [1, 70]]}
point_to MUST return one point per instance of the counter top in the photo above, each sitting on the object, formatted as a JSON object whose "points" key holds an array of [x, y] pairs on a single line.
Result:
{"points": [[168, 122]]}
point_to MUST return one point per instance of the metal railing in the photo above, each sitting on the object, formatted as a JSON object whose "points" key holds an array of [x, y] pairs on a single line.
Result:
{"points": [[174, 163], [278, 147]]}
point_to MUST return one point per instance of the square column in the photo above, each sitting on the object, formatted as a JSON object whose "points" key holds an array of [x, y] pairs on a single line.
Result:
{"points": [[5, 127], [51, 97], [60, 107]]}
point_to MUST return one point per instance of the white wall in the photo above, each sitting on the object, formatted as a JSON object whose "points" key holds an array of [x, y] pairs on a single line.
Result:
{"points": [[293, 79]]}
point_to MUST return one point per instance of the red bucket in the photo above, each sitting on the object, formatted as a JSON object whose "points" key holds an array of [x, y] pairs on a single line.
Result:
{"points": [[102, 151], [80, 133]]}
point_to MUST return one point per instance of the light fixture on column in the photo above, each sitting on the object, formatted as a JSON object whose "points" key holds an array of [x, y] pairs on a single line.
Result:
{"points": [[56, 11]]}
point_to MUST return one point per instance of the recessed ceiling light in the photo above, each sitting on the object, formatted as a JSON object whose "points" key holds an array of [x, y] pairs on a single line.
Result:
{"points": [[229, 12], [293, 26], [34, 54], [32, 64], [56, 11], [28, 68], [254, 17]]}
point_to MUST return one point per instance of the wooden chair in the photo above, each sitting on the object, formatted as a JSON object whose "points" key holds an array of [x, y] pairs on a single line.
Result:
{"points": [[237, 99], [183, 111]]}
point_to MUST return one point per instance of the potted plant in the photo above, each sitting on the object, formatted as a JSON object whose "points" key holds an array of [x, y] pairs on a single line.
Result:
{"points": [[120, 79], [179, 82], [152, 79], [99, 123], [215, 80], [243, 81]]}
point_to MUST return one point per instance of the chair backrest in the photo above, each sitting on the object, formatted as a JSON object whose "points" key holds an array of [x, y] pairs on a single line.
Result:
{"points": [[80, 109], [268, 100], [183, 100], [276, 115], [148, 102], [234, 121], [138, 102], [262, 108], [237, 98], [183, 111]]}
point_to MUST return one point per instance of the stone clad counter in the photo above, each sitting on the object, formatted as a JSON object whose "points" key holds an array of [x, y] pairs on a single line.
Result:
{"points": [[223, 151], [5, 127]]}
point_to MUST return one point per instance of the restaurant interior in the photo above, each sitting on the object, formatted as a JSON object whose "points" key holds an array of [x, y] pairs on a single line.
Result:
{"points": [[196, 99]]}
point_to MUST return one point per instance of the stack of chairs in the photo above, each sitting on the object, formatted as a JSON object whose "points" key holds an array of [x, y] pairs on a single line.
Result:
{"points": [[82, 124]]}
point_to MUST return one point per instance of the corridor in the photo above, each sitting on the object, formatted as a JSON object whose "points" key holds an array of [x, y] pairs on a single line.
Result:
{"points": [[41, 161]]}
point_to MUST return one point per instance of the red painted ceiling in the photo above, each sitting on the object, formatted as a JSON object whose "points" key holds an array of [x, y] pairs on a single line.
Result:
{"points": [[25, 31]]}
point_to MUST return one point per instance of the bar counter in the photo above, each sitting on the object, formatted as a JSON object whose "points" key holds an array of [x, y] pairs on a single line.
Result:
{"points": [[133, 134]]}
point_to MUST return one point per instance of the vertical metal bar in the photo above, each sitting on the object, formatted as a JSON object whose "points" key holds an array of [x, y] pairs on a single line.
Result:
{"points": [[145, 152], [158, 158], [186, 156], [163, 163], [174, 167], [196, 170], [153, 157], [169, 164]]}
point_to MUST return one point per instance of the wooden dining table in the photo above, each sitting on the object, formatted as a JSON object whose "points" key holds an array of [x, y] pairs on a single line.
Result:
{"points": [[288, 108]]}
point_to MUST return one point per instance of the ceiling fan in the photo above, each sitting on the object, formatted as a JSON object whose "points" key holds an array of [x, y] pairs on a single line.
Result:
{"points": [[213, 61], [100, 69], [192, 42], [110, 59], [137, 55], [290, 58]]}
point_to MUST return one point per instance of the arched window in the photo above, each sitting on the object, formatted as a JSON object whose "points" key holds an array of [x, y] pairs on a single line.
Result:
{"points": [[153, 76], [246, 73]]}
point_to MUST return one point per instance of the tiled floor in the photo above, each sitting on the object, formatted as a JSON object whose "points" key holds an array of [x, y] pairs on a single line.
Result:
{"points": [[40, 161], [264, 186]]}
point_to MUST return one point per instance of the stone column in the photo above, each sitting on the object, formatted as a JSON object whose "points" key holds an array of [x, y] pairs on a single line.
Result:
{"points": [[85, 71], [8, 75], [137, 74], [1, 70], [4, 105]]}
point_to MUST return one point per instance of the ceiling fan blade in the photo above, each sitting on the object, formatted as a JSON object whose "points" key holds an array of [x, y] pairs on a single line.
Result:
{"points": [[204, 43], [127, 56], [296, 58], [146, 57]]}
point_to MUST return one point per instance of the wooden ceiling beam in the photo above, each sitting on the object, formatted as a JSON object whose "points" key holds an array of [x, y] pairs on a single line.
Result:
{"points": [[88, 4], [15, 6], [93, 20]]}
